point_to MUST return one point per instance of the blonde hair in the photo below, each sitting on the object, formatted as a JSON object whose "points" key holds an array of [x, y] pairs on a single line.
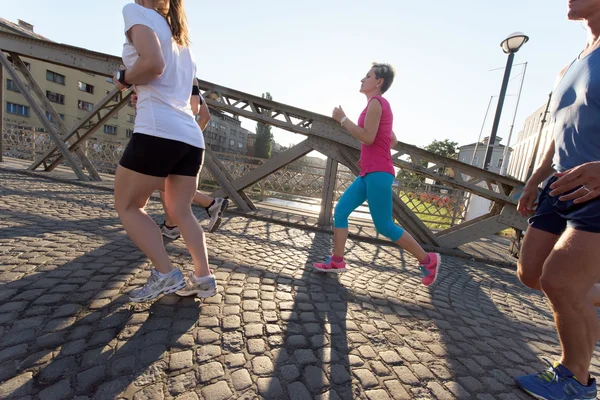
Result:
{"points": [[174, 13]]}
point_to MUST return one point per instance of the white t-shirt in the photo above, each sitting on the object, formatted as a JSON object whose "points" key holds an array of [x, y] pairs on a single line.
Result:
{"points": [[163, 107]]}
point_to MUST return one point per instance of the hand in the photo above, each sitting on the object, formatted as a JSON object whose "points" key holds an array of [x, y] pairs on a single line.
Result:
{"points": [[586, 177], [118, 84], [338, 113], [527, 205], [134, 99]]}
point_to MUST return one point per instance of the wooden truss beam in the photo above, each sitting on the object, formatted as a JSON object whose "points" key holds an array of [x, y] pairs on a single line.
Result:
{"points": [[40, 113], [323, 133], [102, 112]]}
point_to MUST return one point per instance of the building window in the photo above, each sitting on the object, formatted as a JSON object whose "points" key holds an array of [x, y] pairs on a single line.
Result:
{"points": [[54, 77], [476, 160], [500, 161], [110, 129], [84, 105], [17, 109], [130, 118], [49, 116], [231, 142], [109, 80], [128, 133], [11, 85], [86, 87], [55, 97]]}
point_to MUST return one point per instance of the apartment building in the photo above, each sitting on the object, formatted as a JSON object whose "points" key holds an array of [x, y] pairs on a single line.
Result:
{"points": [[73, 93]]}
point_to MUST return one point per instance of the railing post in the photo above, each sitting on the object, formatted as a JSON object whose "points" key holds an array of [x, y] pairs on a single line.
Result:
{"points": [[1, 113], [33, 143], [328, 193]]}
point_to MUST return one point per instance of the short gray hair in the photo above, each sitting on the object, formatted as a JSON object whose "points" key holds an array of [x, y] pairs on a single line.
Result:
{"points": [[385, 72]]}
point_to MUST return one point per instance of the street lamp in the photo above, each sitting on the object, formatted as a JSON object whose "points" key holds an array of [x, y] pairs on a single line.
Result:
{"points": [[510, 46]]}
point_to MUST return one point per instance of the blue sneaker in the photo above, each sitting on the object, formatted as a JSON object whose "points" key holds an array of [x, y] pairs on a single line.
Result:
{"points": [[556, 383]]}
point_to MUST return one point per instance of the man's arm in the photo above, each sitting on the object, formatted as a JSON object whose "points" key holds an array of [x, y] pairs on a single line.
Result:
{"points": [[545, 169]]}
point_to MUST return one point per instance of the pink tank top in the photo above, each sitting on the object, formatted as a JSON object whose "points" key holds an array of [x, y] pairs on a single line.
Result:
{"points": [[377, 156]]}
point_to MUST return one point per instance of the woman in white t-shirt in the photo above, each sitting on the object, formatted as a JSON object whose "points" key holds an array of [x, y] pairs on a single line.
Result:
{"points": [[167, 148]]}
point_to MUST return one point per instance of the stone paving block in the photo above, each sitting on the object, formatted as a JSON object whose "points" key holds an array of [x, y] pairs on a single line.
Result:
{"points": [[64, 272], [111, 389], [396, 390], [216, 391], [339, 374], [297, 391], [471, 384], [205, 336], [269, 388], [18, 386], [152, 392], [207, 372], [90, 377], [256, 346], [406, 376], [207, 352], [182, 383], [377, 394], [234, 360], [57, 369], [262, 365], [13, 352], [181, 360], [289, 372], [253, 330], [366, 378], [58, 391], [315, 378]]}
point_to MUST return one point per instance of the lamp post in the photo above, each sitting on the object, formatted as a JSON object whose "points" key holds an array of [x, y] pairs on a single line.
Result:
{"points": [[510, 46]]}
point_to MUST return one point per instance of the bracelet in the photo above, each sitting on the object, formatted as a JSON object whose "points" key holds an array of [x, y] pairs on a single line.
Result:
{"points": [[344, 119]]}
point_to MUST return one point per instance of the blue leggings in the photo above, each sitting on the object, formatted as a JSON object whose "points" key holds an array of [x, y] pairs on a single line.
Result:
{"points": [[376, 188]]}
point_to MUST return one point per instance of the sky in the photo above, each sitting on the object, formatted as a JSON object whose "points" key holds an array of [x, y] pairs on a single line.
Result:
{"points": [[312, 54]]}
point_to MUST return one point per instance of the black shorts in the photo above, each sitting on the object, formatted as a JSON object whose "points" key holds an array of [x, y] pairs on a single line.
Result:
{"points": [[554, 216], [155, 156]]}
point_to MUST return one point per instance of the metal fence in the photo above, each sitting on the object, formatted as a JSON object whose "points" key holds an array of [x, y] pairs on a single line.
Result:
{"points": [[300, 182]]}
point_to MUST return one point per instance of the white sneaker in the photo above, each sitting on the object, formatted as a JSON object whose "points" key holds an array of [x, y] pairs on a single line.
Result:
{"points": [[171, 233], [206, 288], [215, 212], [171, 282]]}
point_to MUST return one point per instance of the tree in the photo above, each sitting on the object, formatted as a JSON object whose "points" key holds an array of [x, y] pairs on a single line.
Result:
{"points": [[264, 136], [446, 148]]}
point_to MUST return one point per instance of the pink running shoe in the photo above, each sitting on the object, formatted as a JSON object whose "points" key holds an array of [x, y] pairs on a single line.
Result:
{"points": [[431, 271], [330, 266]]}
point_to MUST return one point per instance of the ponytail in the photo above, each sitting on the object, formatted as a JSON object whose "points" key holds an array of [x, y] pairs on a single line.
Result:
{"points": [[178, 23]]}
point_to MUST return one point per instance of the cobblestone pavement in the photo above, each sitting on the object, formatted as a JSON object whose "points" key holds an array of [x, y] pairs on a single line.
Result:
{"points": [[276, 330]]}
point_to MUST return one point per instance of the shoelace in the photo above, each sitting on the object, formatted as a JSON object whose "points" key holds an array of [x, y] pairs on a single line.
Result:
{"points": [[153, 278], [424, 271], [550, 375]]}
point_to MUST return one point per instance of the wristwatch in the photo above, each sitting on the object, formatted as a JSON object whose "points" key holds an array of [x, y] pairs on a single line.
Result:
{"points": [[343, 120], [121, 78]]}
